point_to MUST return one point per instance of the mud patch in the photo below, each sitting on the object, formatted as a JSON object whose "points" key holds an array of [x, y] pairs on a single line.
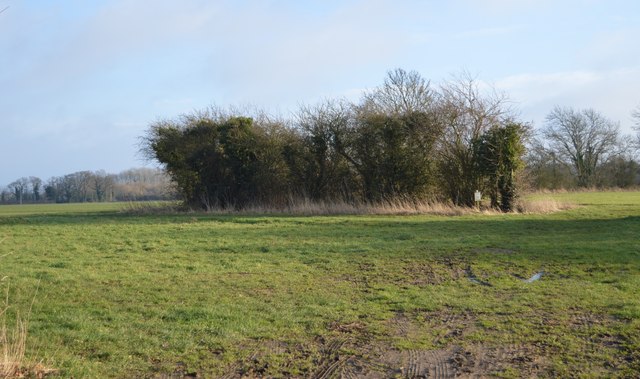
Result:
{"points": [[266, 357], [180, 372], [487, 361], [401, 326], [449, 326], [439, 364], [330, 361], [351, 328]]}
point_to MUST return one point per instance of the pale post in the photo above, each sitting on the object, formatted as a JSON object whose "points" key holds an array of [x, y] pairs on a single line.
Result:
{"points": [[477, 196]]}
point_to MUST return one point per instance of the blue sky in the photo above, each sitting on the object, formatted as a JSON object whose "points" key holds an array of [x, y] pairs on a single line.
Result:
{"points": [[82, 80]]}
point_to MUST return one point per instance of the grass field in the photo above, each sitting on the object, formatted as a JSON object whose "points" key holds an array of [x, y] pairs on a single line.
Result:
{"points": [[122, 295]]}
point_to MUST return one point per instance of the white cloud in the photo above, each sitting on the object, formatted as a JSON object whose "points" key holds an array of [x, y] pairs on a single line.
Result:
{"points": [[612, 92]]}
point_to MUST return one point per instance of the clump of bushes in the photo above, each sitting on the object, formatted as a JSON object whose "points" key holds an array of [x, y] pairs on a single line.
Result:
{"points": [[403, 140]]}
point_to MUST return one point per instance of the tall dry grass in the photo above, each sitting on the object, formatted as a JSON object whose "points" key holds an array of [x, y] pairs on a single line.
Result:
{"points": [[13, 342], [306, 207], [542, 206], [402, 207]]}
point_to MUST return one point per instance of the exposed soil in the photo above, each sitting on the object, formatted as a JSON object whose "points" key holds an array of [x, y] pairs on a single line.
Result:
{"points": [[349, 350], [355, 354]]}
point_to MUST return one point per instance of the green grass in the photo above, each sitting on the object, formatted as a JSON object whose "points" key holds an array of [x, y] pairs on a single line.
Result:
{"points": [[138, 296]]}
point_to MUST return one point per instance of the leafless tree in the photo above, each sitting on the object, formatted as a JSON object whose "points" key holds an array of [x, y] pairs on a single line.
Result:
{"points": [[402, 92], [466, 112], [583, 139], [102, 185]]}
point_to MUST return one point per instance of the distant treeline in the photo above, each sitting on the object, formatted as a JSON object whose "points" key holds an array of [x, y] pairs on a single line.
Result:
{"points": [[87, 186], [403, 140]]}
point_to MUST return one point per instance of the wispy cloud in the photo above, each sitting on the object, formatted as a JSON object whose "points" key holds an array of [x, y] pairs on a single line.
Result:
{"points": [[613, 92]]}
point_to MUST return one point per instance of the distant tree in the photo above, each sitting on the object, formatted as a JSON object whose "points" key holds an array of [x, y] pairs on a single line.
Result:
{"points": [[70, 188], [620, 172], [498, 155], [19, 188], [36, 186], [582, 139], [141, 184], [544, 169], [102, 184], [4, 195], [83, 185], [51, 189]]}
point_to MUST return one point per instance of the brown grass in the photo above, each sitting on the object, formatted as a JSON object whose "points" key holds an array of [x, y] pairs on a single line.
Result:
{"points": [[12, 343], [547, 205], [151, 208], [306, 207]]}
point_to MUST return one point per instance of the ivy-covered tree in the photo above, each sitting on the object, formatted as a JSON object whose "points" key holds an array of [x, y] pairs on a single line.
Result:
{"points": [[498, 156], [217, 160]]}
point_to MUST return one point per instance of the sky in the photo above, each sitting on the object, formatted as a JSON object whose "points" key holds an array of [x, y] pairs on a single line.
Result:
{"points": [[81, 80]]}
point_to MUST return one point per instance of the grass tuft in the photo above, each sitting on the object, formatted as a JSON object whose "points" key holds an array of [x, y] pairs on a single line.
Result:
{"points": [[12, 343]]}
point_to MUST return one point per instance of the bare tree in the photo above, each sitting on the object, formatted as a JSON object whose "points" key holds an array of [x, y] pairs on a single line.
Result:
{"points": [[102, 184], [402, 92], [466, 113], [583, 139]]}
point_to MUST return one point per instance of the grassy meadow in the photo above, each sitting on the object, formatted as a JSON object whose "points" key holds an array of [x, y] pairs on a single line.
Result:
{"points": [[122, 295]]}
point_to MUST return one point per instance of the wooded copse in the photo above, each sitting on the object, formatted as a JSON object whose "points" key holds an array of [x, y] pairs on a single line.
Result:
{"points": [[405, 140], [88, 186]]}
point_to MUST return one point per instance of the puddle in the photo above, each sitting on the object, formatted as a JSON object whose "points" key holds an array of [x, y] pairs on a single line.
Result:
{"points": [[535, 277]]}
